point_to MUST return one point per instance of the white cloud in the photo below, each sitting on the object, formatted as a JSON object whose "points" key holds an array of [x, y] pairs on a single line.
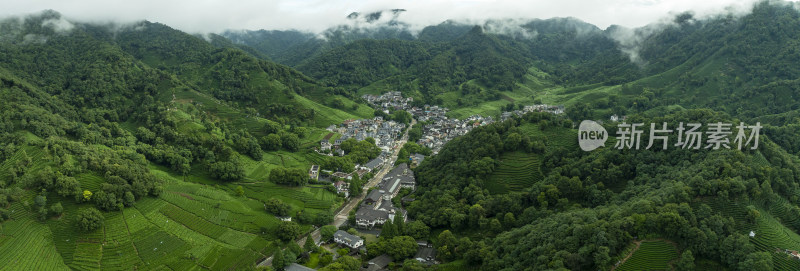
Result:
{"points": [[59, 25], [316, 15]]}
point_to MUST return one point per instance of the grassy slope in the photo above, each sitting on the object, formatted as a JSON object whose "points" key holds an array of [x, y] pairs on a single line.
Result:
{"points": [[192, 224]]}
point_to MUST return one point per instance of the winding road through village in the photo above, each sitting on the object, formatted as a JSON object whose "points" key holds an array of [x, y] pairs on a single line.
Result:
{"points": [[341, 216]]}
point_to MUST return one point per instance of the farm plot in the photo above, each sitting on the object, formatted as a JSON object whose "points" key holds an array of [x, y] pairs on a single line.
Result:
{"points": [[159, 247], [26, 245], [118, 250], [218, 207], [193, 222], [136, 221], [87, 256], [299, 197], [516, 171], [651, 255], [771, 234]]}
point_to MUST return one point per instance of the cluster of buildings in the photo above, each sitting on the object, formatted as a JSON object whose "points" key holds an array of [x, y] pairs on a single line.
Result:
{"points": [[426, 254], [442, 130], [552, 109], [377, 207], [389, 100], [384, 132]]}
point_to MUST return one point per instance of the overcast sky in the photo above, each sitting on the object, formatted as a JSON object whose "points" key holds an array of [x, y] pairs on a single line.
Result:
{"points": [[202, 16]]}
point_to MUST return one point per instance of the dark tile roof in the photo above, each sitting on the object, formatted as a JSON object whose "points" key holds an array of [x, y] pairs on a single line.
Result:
{"points": [[425, 253], [381, 261], [297, 267], [374, 163], [351, 240], [365, 212], [374, 195]]}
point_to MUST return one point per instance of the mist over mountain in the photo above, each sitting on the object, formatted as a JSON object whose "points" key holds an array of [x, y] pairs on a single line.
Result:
{"points": [[138, 144]]}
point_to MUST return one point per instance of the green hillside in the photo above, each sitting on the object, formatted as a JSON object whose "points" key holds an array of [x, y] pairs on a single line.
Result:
{"points": [[158, 130], [551, 199]]}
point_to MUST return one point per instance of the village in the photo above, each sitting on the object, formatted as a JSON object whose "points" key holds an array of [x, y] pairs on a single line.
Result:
{"points": [[437, 128], [377, 206]]}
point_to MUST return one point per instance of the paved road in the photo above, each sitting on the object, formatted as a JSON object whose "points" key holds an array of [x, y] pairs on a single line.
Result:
{"points": [[341, 217]]}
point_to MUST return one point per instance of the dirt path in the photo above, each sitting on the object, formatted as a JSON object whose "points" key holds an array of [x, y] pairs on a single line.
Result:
{"points": [[124, 219], [638, 243]]}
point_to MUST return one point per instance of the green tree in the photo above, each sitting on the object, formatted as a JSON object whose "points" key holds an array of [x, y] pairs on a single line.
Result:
{"points": [[89, 219], [309, 244], [40, 200], [271, 142], [401, 247], [495, 225], [417, 229], [278, 261], [388, 230], [412, 265], [56, 209], [446, 245], [509, 221], [271, 127], [757, 261], [579, 111], [686, 262], [226, 171], [601, 257], [344, 263], [399, 224], [325, 258], [277, 207], [290, 141], [295, 248], [327, 232], [288, 230], [128, 199], [239, 191]]}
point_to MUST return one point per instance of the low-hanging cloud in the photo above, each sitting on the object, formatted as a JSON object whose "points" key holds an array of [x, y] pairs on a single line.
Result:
{"points": [[630, 40], [510, 27], [59, 25], [317, 15]]}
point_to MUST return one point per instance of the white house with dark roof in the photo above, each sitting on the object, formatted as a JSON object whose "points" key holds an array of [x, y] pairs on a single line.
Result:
{"points": [[343, 238], [342, 188], [377, 211], [313, 173]]}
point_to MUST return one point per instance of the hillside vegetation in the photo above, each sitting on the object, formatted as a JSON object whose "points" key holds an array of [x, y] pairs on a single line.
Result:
{"points": [[170, 138]]}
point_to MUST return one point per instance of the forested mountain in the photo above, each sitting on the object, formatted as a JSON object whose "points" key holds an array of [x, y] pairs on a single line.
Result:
{"points": [[520, 195], [153, 127], [719, 62], [292, 47], [140, 146]]}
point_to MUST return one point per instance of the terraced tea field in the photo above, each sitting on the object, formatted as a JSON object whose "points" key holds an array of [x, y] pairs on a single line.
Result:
{"points": [[515, 172], [651, 255]]}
